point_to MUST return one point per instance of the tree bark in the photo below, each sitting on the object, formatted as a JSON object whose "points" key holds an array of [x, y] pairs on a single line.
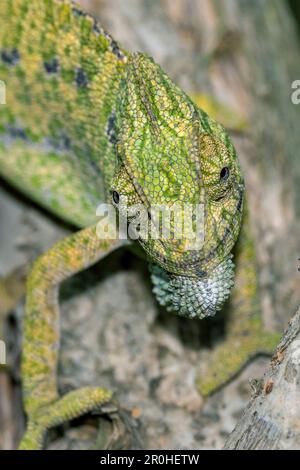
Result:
{"points": [[271, 420]]}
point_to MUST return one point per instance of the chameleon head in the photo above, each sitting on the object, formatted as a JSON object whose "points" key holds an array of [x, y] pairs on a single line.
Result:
{"points": [[175, 161]]}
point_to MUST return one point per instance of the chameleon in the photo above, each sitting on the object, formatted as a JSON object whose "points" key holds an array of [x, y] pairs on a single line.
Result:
{"points": [[86, 122]]}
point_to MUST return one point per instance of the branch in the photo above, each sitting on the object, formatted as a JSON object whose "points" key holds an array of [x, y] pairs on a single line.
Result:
{"points": [[271, 419]]}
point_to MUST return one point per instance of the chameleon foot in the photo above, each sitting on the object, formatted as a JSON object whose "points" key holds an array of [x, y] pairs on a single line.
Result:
{"points": [[228, 358], [70, 406], [245, 334]]}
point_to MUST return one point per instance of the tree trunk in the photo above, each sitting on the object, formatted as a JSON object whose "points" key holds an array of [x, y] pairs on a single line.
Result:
{"points": [[272, 417]]}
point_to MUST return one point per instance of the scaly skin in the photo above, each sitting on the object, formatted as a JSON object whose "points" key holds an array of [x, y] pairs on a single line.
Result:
{"points": [[84, 119], [245, 333], [41, 338]]}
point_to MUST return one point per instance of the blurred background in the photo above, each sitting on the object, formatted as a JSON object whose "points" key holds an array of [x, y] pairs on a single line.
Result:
{"points": [[295, 7], [243, 55]]}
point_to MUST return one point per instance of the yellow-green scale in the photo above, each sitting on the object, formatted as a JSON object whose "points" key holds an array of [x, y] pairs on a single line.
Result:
{"points": [[62, 74]]}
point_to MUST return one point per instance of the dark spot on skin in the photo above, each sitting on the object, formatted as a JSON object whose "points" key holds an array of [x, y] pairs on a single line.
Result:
{"points": [[66, 141], [111, 129], [17, 133], [213, 252], [81, 78], [210, 255], [97, 28], [200, 273], [62, 142], [10, 57], [115, 49], [77, 12], [240, 202], [52, 66]]}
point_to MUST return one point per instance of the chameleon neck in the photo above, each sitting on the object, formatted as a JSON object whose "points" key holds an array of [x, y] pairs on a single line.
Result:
{"points": [[58, 62]]}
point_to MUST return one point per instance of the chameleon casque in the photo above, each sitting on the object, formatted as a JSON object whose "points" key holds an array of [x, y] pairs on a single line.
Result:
{"points": [[86, 122]]}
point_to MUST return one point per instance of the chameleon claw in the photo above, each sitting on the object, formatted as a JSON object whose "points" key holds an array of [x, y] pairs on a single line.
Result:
{"points": [[70, 406], [227, 359]]}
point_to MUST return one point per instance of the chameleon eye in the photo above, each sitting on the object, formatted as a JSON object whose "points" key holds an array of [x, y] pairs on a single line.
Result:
{"points": [[116, 197], [224, 174]]}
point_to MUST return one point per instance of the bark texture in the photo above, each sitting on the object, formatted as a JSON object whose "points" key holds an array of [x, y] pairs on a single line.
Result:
{"points": [[272, 418]]}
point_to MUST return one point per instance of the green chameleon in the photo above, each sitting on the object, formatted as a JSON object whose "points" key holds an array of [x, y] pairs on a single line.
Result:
{"points": [[87, 122]]}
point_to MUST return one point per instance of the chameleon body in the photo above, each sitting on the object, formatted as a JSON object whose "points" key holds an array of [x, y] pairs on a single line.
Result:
{"points": [[87, 122]]}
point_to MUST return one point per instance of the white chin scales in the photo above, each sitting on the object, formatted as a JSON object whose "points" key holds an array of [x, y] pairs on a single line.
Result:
{"points": [[192, 297]]}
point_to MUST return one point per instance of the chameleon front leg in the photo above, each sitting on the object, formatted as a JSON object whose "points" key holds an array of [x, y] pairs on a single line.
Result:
{"points": [[245, 336], [42, 403]]}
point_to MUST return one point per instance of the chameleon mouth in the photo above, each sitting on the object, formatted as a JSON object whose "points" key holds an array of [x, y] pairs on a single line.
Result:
{"points": [[193, 297]]}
